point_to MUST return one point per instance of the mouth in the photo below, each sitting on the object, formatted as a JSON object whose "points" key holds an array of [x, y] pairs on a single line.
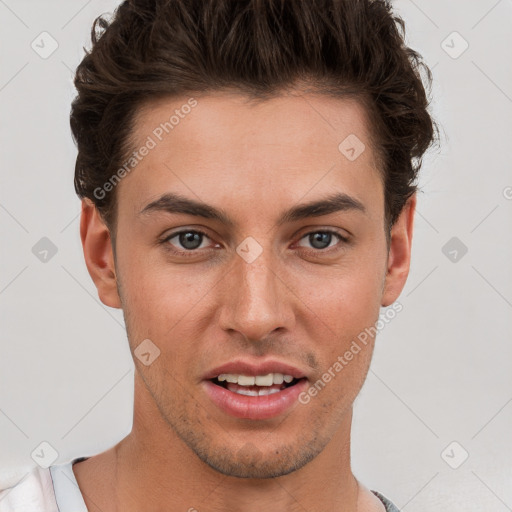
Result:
{"points": [[257, 385], [255, 397]]}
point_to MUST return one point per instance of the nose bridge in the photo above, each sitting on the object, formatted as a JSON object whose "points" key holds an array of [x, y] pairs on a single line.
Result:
{"points": [[256, 303]]}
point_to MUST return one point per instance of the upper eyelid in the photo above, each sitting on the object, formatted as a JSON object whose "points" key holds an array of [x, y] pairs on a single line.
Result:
{"points": [[330, 231]]}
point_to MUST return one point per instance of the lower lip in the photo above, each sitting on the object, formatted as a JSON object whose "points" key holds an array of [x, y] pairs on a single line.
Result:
{"points": [[254, 407]]}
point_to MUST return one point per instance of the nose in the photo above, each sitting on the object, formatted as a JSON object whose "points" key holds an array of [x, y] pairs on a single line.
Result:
{"points": [[257, 300]]}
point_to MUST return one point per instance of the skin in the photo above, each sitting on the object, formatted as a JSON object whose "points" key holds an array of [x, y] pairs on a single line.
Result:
{"points": [[294, 303]]}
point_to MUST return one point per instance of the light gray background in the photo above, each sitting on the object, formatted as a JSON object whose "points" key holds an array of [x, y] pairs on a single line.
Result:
{"points": [[442, 368]]}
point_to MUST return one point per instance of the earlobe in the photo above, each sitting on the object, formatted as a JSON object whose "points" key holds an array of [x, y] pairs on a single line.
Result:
{"points": [[98, 254], [399, 257]]}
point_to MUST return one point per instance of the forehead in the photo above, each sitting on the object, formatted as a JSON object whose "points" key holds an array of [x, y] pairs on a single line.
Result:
{"points": [[226, 148]]}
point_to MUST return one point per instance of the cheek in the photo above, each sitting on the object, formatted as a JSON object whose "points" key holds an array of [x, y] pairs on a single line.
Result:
{"points": [[344, 340], [346, 298], [158, 296], [343, 305]]}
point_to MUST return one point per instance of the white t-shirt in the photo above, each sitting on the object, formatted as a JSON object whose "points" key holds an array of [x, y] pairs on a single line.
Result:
{"points": [[52, 489], [55, 489]]}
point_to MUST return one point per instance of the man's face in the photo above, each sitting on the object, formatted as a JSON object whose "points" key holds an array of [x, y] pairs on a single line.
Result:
{"points": [[255, 290]]}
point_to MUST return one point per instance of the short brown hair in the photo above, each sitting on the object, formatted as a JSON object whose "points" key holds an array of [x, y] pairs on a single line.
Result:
{"points": [[157, 48]]}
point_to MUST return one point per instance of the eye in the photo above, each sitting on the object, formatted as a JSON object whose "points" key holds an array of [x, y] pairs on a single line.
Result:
{"points": [[187, 241], [321, 240]]}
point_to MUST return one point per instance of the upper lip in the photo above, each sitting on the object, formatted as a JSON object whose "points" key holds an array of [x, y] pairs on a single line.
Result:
{"points": [[252, 368]]}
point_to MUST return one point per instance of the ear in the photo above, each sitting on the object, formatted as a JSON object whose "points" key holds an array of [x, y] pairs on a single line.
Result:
{"points": [[399, 256], [98, 254]]}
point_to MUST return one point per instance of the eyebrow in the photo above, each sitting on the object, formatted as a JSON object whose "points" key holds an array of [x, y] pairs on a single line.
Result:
{"points": [[178, 204]]}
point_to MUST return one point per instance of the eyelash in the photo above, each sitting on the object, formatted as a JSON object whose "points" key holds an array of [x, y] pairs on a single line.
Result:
{"points": [[193, 252]]}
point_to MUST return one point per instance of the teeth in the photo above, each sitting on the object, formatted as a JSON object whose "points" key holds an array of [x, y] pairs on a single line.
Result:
{"points": [[278, 378], [267, 391], [246, 380], [264, 380], [247, 392], [258, 380], [258, 392]]}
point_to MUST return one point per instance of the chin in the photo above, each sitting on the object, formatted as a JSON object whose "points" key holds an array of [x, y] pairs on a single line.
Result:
{"points": [[253, 462]]}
